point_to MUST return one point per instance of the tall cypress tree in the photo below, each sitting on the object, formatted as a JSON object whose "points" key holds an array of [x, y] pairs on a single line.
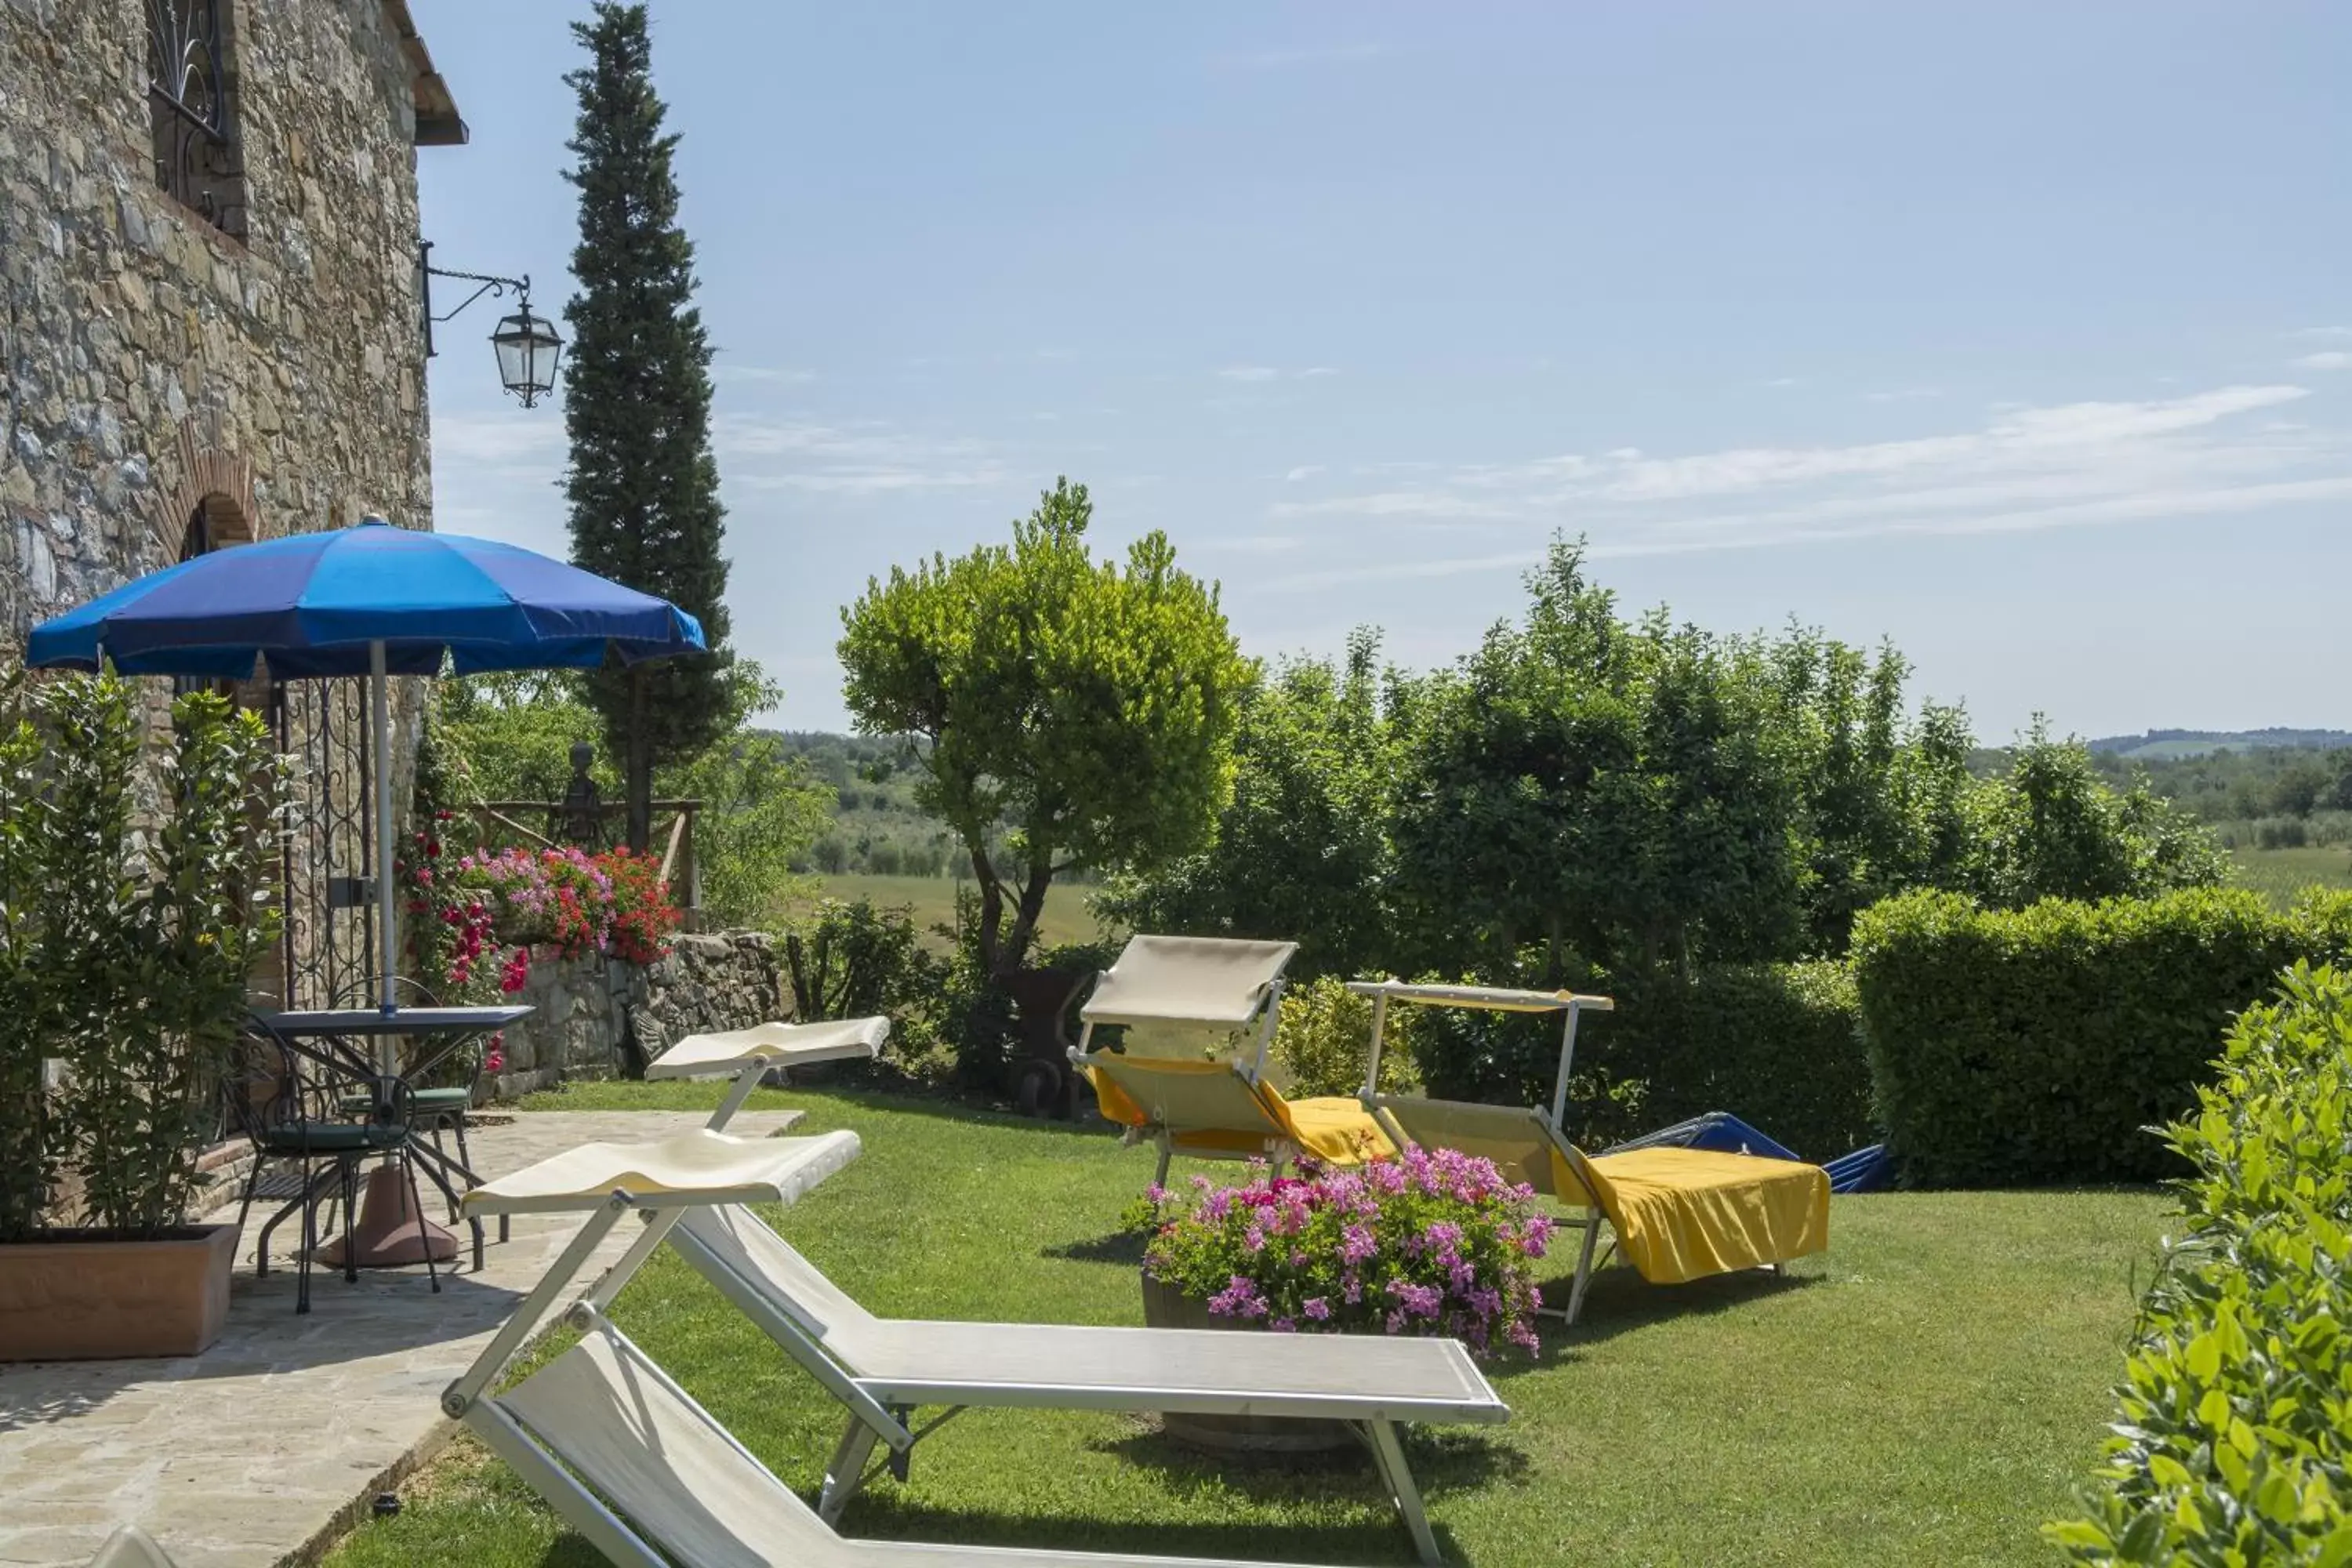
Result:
{"points": [[643, 485]]}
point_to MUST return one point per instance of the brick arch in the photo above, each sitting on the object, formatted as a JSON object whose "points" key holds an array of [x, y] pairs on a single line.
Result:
{"points": [[221, 483]]}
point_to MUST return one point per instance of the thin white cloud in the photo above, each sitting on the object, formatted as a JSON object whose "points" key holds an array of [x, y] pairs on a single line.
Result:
{"points": [[2025, 468], [861, 457], [2322, 332], [1785, 380], [502, 444], [869, 480], [2326, 359], [1903, 394], [1313, 371], [1304, 472]]}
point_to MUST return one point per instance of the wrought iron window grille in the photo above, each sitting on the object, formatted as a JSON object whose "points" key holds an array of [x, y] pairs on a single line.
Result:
{"points": [[188, 94]]}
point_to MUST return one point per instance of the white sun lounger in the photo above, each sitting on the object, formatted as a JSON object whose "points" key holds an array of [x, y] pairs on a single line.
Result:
{"points": [[748, 1056], [884, 1369], [611, 1441], [635, 1465], [1675, 1214]]}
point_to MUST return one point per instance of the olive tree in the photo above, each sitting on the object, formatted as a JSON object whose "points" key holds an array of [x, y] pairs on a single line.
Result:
{"points": [[1078, 712]]}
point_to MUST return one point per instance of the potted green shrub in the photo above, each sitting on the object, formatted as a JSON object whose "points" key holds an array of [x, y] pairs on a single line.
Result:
{"points": [[133, 907], [1430, 1243]]}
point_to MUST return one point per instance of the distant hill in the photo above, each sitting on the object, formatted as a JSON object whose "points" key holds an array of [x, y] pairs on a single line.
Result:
{"points": [[2169, 745]]}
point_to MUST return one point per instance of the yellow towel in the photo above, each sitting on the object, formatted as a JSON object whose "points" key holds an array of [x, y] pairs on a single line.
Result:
{"points": [[1335, 1129], [1685, 1213]]}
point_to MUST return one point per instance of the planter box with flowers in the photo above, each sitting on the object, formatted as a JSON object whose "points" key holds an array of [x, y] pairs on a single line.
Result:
{"points": [[479, 922], [1432, 1243], [127, 938]]}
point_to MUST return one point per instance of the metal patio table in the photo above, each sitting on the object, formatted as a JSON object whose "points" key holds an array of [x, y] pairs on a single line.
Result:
{"points": [[356, 1044]]}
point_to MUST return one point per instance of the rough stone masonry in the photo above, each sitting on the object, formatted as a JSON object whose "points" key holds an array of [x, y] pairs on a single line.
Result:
{"points": [[587, 1008], [155, 362], [174, 378]]}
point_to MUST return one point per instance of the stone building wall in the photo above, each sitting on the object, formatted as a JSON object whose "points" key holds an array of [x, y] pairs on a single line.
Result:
{"points": [[586, 1008], [153, 365]]}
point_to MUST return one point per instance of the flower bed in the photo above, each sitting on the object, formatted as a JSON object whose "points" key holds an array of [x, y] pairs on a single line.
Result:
{"points": [[1432, 1243], [475, 918]]}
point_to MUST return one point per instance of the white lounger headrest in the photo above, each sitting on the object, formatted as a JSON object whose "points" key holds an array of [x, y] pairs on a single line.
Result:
{"points": [[697, 1167], [1195, 979], [772, 1045]]}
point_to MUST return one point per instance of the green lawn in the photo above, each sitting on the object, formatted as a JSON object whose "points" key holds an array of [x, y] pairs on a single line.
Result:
{"points": [[1929, 1392], [932, 901], [2280, 874]]}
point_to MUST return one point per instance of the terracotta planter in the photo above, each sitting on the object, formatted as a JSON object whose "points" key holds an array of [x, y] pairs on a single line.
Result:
{"points": [[1164, 1306], [83, 1296]]}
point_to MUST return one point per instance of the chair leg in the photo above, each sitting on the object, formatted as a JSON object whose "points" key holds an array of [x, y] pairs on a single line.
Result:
{"points": [[1167, 1152], [846, 1473], [351, 1171], [1399, 1477], [441, 1151], [417, 1202], [310, 1245]]}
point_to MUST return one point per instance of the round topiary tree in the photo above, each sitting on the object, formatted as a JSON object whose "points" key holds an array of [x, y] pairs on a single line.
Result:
{"points": [[1065, 711]]}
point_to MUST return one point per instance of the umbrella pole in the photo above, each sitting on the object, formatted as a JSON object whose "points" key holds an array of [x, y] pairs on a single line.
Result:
{"points": [[384, 944]]}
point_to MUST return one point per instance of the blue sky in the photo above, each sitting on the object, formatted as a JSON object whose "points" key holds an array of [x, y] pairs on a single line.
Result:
{"points": [[2021, 334]]}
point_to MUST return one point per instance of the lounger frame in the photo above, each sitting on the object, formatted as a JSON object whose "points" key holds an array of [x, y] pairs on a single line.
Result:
{"points": [[882, 1410], [540, 1450], [1267, 1017], [1385, 1107]]}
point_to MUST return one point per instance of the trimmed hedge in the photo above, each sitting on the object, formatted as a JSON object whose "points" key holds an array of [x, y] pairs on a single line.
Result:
{"points": [[2010, 1048], [1776, 1045], [2233, 1444]]}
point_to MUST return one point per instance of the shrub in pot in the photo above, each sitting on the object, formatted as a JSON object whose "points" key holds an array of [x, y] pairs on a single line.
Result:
{"points": [[1434, 1243], [128, 935]]}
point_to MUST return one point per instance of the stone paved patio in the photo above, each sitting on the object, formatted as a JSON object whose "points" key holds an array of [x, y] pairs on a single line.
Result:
{"points": [[259, 1450]]}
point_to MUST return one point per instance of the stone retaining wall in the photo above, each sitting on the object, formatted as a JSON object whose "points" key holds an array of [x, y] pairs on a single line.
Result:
{"points": [[594, 1013]]}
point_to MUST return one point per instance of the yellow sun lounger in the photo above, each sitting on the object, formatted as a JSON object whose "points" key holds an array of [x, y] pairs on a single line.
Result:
{"points": [[1675, 1214], [1210, 1109]]}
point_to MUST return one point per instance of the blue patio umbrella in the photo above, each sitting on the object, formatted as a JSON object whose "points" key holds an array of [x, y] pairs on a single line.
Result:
{"points": [[370, 600]]}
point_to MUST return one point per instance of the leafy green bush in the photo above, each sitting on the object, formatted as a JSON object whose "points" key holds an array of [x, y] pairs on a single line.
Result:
{"points": [[854, 960], [2050, 828], [125, 945], [1326, 1033], [1301, 850], [2232, 1444], [2015, 1047], [1775, 1044]]}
